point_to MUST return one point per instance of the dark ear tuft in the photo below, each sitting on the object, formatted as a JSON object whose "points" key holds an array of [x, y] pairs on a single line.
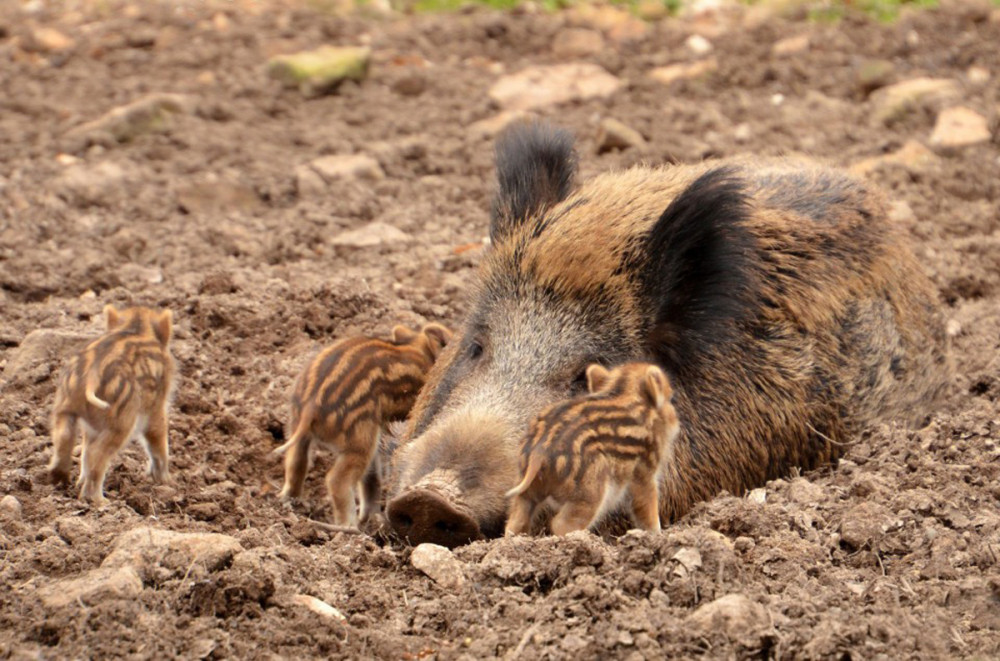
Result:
{"points": [[701, 269], [535, 168]]}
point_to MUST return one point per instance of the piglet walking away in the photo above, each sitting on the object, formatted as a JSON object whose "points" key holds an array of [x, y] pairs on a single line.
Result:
{"points": [[344, 399], [590, 454], [118, 386]]}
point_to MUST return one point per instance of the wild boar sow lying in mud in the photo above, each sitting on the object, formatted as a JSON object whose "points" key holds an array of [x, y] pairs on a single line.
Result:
{"points": [[785, 309]]}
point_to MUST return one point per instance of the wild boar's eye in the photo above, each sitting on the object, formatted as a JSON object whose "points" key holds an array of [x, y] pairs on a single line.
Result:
{"points": [[475, 351]]}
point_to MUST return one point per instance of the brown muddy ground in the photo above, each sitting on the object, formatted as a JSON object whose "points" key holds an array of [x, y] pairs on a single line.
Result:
{"points": [[892, 555]]}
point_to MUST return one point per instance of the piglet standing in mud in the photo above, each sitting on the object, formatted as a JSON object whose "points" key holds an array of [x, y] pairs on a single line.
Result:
{"points": [[117, 387], [590, 454], [343, 400], [787, 310]]}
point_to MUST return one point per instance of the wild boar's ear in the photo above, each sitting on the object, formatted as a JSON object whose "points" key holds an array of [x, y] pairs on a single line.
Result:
{"points": [[535, 168], [597, 377], [402, 335], [163, 327], [700, 270]]}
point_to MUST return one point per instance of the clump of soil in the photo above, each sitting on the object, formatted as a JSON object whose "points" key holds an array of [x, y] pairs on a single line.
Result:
{"points": [[215, 211]]}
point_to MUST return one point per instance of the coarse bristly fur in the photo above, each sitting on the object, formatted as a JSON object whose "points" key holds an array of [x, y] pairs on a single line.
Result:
{"points": [[784, 305], [591, 454], [118, 386], [343, 400]]}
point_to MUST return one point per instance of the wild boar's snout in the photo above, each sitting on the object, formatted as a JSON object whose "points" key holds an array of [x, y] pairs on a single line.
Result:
{"points": [[452, 482]]}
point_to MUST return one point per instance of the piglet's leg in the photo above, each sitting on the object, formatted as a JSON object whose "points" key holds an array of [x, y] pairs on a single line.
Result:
{"points": [[371, 488], [296, 467], [575, 515], [645, 503], [521, 513], [156, 445], [98, 451], [63, 436], [342, 478]]}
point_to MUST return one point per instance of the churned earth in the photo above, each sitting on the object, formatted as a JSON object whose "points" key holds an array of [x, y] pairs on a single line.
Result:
{"points": [[232, 201]]}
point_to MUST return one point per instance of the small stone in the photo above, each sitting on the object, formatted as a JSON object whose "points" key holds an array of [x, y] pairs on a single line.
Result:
{"points": [[804, 492], [215, 197], [137, 275], [412, 83], [315, 177], [977, 75], [205, 511], [953, 328], [688, 560], [151, 114], [873, 74], [912, 156], [373, 234], [543, 86], [959, 127], [491, 126], [698, 44], [40, 354], [92, 587], [318, 606], [153, 547], [577, 42], [85, 185], [744, 544], [74, 529], [790, 46], [47, 40], [734, 614], [652, 10], [440, 564], [10, 508], [684, 70], [901, 212], [863, 525], [614, 135], [777, 99], [320, 71], [742, 132], [758, 496], [891, 103], [206, 78]]}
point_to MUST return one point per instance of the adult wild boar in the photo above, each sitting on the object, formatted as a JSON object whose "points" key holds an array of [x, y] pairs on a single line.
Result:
{"points": [[784, 306]]}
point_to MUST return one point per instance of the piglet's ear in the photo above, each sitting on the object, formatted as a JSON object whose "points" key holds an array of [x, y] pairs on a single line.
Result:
{"points": [[535, 167], [655, 387], [597, 377], [402, 335], [438, 338], [163, 327], [112, 316]]}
